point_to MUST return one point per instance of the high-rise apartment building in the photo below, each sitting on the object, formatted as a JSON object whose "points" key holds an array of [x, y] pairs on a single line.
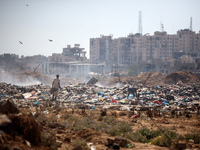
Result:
{"points": [[186, 39], [140, 46], [135, 48], [123, 49], [162, 45], [101, 49]]}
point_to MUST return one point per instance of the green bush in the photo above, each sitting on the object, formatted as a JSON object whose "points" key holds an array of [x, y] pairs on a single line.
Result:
{"points": [[156, 137], [166, 138], [149, 134]]}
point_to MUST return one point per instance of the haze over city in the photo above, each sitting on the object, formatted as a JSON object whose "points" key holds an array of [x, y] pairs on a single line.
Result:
{"points": [[32, 27]]}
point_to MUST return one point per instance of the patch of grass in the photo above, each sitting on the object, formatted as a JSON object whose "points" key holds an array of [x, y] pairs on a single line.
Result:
{"points": [[49, 140], [72, 118], [166, 139], [109, 120], [143, 135], [65, 116], [136, 137], [156, 137], [70, 122], [148, 133], [79, 144], [194, 135], [84, 124], [112, 126], [107, 125]]}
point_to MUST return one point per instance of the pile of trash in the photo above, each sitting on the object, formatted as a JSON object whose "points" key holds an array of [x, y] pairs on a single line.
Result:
{"points": [[90, 96], [25, 132]]}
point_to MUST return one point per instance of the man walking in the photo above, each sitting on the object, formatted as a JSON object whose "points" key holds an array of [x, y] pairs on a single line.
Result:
{"points": [[55, 87]]}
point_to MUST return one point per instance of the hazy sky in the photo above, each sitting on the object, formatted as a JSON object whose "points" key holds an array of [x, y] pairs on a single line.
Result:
{"points": [[67, 22]]}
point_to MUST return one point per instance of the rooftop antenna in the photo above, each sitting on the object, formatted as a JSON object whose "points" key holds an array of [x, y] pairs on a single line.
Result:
{"points": [[140, 23], [162, 27], [191, 23]]}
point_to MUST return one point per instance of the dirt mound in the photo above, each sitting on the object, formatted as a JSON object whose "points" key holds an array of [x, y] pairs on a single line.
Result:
{"points": [[32, 77], [185, 77], [87, 134], [152, 79], [28, 127], [21, 132]]}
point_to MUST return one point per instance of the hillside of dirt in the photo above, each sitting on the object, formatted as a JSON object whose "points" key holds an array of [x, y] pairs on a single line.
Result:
{"points": [[185, 77], [155, 78], [152, 79], [68, 128]]}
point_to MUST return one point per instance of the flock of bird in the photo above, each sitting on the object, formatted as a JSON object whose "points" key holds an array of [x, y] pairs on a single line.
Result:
{"points": [[49, 39]]}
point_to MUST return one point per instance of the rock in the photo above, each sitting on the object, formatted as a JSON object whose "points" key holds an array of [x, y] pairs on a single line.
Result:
{"points": [[191, 140], [28, 143], [110, 141], [121, 141], [115, 146]]}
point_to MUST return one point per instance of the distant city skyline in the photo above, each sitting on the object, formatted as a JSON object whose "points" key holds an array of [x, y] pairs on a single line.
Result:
{"points": [[33, 27]]}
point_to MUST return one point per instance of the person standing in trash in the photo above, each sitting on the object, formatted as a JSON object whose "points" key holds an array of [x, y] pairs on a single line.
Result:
{"points": [[55, 87]]}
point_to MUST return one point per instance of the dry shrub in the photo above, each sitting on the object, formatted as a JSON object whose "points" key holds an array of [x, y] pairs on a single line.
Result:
{"points": [[79, 144], [114, 113], [103, 112], [65, 116], [48, 140], [27, 127]]}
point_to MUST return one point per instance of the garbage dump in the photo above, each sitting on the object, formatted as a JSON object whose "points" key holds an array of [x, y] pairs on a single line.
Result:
{"points": [[25, 109]]}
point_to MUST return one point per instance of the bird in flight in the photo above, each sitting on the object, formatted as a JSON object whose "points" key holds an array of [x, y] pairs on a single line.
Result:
{"points": [[50, 40], [20, 42]]}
